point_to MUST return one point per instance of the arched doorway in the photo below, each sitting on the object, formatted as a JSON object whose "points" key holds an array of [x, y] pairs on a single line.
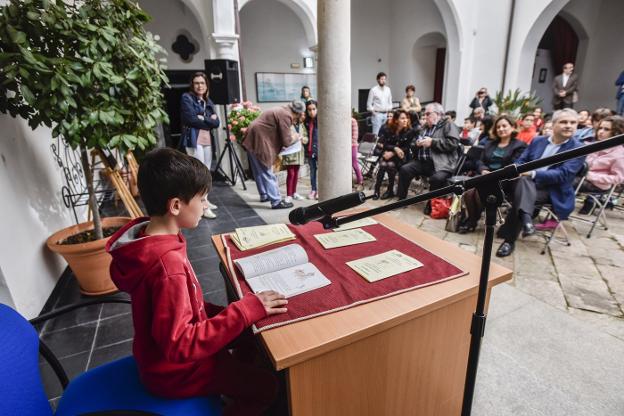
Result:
{"points": [[429, 58], [559, 45]]}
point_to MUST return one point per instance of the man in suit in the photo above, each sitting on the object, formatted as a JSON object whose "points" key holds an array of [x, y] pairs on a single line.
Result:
{"points": [[565, 88], [548, 185]]}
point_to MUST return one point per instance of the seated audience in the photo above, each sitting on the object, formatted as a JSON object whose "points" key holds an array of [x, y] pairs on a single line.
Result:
{"points": [[606, 167], [394, 146], [527, 128], [597, 116], [434, 154], [547, 128], [486, 127], [538, 120], [469, 133], [585, 128], [499, 152], [551, 184]]}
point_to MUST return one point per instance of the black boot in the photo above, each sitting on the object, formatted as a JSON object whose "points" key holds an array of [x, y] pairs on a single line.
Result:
{"points": [[588, 206]]}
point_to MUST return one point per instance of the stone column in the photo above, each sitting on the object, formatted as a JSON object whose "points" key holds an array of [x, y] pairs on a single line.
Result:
{"points": [[334, 97]]}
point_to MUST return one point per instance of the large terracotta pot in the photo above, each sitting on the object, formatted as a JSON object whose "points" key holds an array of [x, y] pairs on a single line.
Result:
{"points": [[89, 261]]}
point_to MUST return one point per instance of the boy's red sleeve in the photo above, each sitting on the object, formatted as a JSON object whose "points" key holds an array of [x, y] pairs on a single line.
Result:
{"points": [[179, 338], [212, 309]]}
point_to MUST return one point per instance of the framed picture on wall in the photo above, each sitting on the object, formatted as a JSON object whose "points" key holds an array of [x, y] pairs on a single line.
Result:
{"points": [[272, 87], [542, 75]]}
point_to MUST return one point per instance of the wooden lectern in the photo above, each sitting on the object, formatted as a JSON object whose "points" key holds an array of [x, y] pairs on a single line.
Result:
{"points": [[402, 355]]}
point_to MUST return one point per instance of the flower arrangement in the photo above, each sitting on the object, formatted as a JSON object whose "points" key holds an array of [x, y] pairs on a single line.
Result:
{"points": [[240, 117]]}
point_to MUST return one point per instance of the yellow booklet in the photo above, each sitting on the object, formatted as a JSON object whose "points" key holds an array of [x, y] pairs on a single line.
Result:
{"points": [[384, 265], [356, 224], [248, 238], [344, 238]]}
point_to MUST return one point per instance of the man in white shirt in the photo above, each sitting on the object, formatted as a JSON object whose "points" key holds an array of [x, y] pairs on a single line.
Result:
{"points": [[379, 102], [565, 88]]}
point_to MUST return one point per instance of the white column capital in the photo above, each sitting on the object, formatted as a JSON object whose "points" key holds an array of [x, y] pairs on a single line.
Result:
{"points": [[225, 45]]}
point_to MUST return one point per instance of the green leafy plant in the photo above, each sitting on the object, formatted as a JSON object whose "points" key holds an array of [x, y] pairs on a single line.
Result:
{"points": [[239, 119], [86, 69], [515, 102]]}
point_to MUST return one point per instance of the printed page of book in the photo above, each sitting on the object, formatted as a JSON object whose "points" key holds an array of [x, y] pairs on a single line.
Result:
{"points": [[290, 282], [384, 265], [293, 148], [356, 224], [344, 238], [272, 261], [253, 237]]}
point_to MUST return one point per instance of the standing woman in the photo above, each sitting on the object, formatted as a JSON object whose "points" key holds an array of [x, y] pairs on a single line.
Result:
{"points": [[354, 155], [311, 149], [411, 104], [199, 117], [306, 95]]}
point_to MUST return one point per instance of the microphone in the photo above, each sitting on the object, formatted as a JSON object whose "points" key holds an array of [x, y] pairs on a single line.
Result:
{"points": [[303, 215]]}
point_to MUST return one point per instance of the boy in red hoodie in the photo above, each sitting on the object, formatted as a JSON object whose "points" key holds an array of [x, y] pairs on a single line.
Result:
{"points": [[181, 342]]}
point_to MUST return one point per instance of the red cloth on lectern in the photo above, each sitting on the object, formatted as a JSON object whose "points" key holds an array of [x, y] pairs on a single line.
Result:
{"points": [[347, 288]]}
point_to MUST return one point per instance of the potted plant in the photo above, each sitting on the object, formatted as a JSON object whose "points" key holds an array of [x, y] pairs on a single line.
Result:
{"points": [[88, 70], [515, 103]]}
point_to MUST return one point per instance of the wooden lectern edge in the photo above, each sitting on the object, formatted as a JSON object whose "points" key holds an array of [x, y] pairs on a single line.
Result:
{"points": [[285, 345]]}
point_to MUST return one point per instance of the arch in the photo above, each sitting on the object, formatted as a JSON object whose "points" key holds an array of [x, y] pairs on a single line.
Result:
{"points": [[304, 12], [424, 61], [526, 57], [203, 16], [454, 47]]}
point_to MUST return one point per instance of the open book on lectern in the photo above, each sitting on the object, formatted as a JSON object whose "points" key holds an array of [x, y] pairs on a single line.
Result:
{"points": [[286, 270]]}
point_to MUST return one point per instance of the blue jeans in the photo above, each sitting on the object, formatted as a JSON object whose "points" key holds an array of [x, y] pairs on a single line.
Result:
{"points": [[378, 120], [620, 105], [313, 166], [266, 181]]}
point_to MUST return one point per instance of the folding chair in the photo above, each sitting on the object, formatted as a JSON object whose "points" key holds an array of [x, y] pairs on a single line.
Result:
{"points": [[551, 235], [600, 201], [366, 157]]}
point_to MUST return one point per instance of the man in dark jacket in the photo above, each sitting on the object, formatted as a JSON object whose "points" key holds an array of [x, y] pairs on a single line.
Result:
{"points": [[435, 153], [552, 184], [565, 88]]}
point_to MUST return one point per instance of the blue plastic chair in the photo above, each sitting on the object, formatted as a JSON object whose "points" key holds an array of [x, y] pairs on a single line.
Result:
{"points": [[112, 388]]}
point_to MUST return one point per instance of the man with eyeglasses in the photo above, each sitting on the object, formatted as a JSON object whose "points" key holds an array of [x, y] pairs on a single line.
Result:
{"points": [[565, 88], [434, 153]]}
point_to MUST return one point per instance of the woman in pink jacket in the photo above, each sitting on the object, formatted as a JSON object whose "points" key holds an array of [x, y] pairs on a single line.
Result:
{"points": [[606, 168]]}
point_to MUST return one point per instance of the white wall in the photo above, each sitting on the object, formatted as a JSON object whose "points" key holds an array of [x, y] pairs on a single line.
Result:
{"points": [[272, 37], [169, 18], [30, 185], [370, 46], [604, 56]]}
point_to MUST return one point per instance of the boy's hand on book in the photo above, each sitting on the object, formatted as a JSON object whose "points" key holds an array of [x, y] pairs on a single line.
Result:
{"points": [[273, 302]]}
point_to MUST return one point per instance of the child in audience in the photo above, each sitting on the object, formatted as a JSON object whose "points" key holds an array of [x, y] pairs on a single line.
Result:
{"points": [[181, 342], [311, 149], [470, 133], [527, 130], [293, 161]]}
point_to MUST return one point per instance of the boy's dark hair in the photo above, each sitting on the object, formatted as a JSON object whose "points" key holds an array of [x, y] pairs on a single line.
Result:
{"points": [[167, 173], [452, 114], [380, 74]]}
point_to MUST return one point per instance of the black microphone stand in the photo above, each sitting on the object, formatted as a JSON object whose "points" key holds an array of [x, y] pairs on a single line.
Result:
{"points": [[491, 195]]}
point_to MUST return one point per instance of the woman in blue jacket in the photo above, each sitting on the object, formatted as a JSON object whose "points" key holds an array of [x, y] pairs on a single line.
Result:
{"points": [[199, 117]]}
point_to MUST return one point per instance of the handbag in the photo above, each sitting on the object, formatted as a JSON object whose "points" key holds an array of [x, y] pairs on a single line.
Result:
{"points": [[440, 208], [455, 215]]}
